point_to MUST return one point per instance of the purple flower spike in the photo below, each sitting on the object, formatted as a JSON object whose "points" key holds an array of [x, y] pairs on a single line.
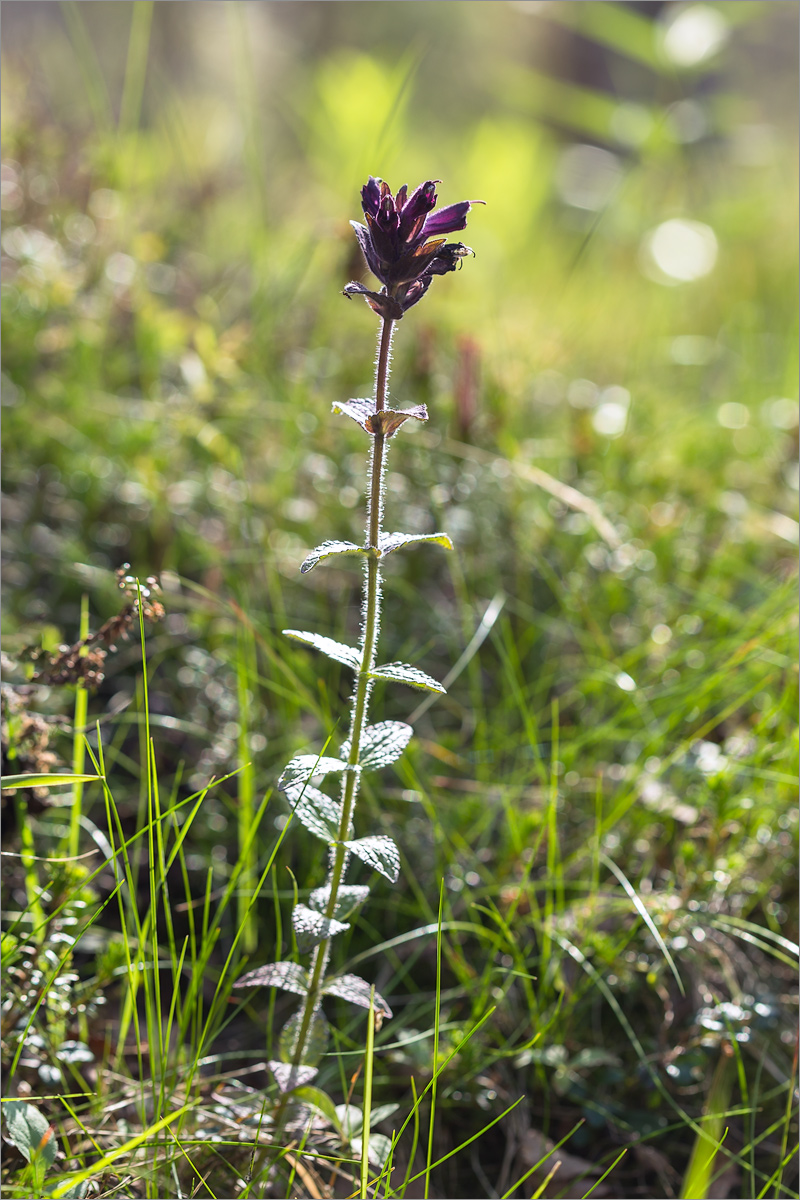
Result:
{"points": [[397, 246]]}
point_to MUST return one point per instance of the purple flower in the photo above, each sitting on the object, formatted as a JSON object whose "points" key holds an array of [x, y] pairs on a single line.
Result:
{"points": [[404, 243]]}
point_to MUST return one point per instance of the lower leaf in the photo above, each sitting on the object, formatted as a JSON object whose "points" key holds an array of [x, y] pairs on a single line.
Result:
{"points": [[378, 1148], [357, 991], [381, 744], [319, 1101], [319, 813], [311, 927], [317, 1039], [348, 898], [288, 1077], [380, 853], [286, 975]]}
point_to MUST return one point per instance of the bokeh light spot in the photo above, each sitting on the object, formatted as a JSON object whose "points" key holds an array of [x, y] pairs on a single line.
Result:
{"points": [[679, 251], [694, 35]]}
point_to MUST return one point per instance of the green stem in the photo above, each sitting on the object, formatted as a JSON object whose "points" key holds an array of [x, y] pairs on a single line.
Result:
{"points": [[78, 743], [360, 700], [366, 1110]]}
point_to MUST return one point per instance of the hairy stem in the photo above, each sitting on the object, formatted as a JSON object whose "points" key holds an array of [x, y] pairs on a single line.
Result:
{"points": [[360, 701]]}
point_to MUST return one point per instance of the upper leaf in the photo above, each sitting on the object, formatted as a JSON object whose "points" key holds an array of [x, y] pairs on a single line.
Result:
{"points": [[311, 927], [348, 898], [328, 550], [389, 542], [381, 744], [318, 812], [387, 421], [349, 655], [380, 853], [357, 990], [287, 975], [288, 1077], [403, 673], [359, 410], [305, 766]]}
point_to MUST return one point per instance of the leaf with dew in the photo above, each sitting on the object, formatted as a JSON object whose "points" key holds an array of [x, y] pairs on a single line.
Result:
{"points": [[286, 975], [311, 927], [389, 542], [348, 898], [380, 853], [319, 813], [328, 550], [381, 744], [350, 656], [404, 673], [359, 410], [387, 421], [305, 766], [356, 990]]}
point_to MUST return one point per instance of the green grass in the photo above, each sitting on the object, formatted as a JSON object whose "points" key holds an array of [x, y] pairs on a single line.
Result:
{"points": [[591, 950]]}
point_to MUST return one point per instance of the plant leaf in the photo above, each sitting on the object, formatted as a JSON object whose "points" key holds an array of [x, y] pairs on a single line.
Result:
{"points": [[321, 1102], [316, 1041], [381, 744], [388, 421], [380, 853], [381, 1112], [288, 1077], [30, 1131], [356, 990], [328, 550], [318, 812], [348, 898], [403, 673], [311, 927], [359, 410], [33, 780], [351, 1119], [378, 1148], [78, 1192], [349, 655], [389, 542], [286, 975], [305, 766]]}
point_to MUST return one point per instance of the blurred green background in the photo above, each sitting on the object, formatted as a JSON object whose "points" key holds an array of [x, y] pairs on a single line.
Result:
{"points": [[177, 182]]}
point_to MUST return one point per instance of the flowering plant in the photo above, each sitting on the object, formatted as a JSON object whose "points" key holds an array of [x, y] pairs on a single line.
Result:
{"points": [[404, 245]]}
